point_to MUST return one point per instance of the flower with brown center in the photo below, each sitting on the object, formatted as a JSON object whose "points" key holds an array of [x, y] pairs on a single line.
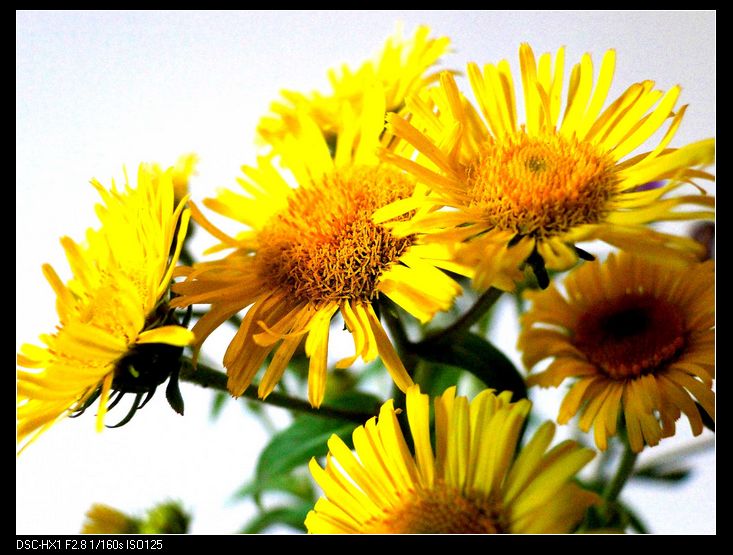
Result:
{"points": [[312, 251], [524, 195], [637, 336], [474, 481]]}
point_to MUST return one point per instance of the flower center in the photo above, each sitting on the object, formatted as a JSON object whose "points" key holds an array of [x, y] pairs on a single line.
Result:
{"points": [[631, 336], [540, 186], [440, 510], [324, 246]]}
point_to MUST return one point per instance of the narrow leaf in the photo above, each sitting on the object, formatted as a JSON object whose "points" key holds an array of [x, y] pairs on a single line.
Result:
{"points": [[293, 517], [479, 357], [298, 486], [662, 474], [217, 405], [306, 437]]}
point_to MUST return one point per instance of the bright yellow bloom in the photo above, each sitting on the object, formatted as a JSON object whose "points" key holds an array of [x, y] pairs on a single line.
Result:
{"points": [[530, 192], [183, 170], [474, 481], [638, 336], [112, 312], [400, 70], [312, 251]]}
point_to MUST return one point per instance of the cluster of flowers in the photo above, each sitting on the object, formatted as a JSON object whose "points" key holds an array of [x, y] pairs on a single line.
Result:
{"points": [[397, 185]]}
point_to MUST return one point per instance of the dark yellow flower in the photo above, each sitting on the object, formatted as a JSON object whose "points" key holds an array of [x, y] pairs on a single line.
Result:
{"points": [[637, 338], [103, 519]]}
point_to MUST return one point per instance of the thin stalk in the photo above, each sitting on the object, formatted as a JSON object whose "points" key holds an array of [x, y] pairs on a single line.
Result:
{"points": [[204, 376], [623, 473], [469, 318]]}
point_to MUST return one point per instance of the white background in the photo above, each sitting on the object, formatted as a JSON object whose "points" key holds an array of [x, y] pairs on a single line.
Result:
{"points": [[99, 90]]}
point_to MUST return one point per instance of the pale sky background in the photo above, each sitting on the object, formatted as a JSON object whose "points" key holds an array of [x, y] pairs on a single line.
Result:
{"points": [[99, 90]]}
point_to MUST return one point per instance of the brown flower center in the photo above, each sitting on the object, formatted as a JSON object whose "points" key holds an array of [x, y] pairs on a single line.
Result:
{"points": [[631, 336], [324, 246], [540, 186], [440, 510]]}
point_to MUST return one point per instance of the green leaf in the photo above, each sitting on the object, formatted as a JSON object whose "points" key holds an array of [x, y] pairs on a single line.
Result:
{"points": [[614, 516], [479, 357], [636, 523], [435, 378], [374, 368], [289, 516], [356, 401], [626, 517], [662, 474], [217, 405], [297, 486], [306, 437], [173, 394]]}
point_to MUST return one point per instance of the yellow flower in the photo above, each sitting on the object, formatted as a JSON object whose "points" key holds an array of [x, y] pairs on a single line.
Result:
{"points": [[312, 251], [530, 192], [166, 518], [113, 313], [103, 519], [183, 170], [638, 336], [471, 483], [400, 70]]}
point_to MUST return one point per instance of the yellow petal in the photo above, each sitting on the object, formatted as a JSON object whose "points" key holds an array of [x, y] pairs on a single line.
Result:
{"points": [[418, 415], [387, 352], [171, 335]]}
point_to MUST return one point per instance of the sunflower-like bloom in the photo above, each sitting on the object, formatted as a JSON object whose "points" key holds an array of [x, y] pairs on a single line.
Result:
{"points": [[113, 313], [474, 481], [400, 69], [528, 193], [638, 337], [312, 251]]}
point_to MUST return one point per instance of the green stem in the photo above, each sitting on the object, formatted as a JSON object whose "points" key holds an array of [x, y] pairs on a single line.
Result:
{"points": [[208, 377], [623, 473], [469, 318]]}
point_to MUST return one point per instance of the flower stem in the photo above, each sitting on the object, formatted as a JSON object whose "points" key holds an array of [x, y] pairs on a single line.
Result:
{"points": [[469, 318], [623, 473], [208, 377]]}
